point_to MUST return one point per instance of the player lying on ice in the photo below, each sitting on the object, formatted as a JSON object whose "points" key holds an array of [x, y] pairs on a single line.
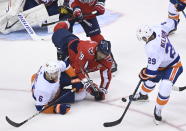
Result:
{"points": [[48, 85], [163, 65], [35, 11], [85, 57]]}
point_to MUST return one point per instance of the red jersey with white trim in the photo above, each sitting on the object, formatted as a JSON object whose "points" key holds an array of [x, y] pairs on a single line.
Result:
{"points": [[84, 60], [86, 8]]}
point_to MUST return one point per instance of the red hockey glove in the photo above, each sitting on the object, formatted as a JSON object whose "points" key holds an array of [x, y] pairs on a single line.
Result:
{"points": [[143, 76], [99, 7], [62, 108], [101, 94], [77, 13], [90, 87]]}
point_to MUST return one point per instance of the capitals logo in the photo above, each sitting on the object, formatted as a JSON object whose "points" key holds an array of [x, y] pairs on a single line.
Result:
{"points": [[91, 51]]}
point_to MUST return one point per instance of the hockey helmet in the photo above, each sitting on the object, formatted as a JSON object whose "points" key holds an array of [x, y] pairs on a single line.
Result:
{"points": [[52, 70], [103, 49], [144, 32]]}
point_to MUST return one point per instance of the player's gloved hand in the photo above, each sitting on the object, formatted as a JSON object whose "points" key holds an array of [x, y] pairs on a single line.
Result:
{"points": [[179, 6], [62, 108], [99, 8], [90, 87], [77, 84], [143, 75], [77, 14], [101, 94]]}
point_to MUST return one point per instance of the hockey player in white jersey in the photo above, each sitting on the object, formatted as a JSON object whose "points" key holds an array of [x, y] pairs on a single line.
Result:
{"points": [[48, 85], [174, 9], [35, 11], [163, 65]]}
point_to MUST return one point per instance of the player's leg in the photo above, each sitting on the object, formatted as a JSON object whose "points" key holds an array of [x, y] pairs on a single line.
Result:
{"points": [[53, 8], [170, 25], [146, 88], [168, 80], [94, 32]]}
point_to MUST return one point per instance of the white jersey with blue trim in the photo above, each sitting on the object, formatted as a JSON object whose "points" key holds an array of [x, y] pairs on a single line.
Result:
{"points": [[160, 52], [44, 91]]}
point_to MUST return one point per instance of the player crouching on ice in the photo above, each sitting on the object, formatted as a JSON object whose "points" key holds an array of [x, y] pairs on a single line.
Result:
{"points": [[48, 85], [163, 65], [84, 57], [35, 11]]}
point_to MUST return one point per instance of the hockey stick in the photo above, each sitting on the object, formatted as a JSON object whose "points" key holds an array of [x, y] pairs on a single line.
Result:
{"points": [[71, 17], [28, 28], [114, 123], [175, 88], [15, 124], [184, 14]]}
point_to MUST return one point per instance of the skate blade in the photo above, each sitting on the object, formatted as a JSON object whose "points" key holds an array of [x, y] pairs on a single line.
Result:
{"points": [[156, 122]]}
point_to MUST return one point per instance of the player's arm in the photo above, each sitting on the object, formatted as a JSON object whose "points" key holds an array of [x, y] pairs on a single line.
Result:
{"points": [[99, 7]]}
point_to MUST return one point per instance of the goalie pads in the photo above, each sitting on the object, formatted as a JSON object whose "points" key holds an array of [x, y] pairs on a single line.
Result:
{"points": [[33, 16]]}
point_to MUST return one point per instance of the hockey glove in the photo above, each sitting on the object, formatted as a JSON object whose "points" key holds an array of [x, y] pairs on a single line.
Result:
{"points": [[143, 76], [179, 6], [77, 14], [62, 108], [90, 87], [77, 84], [101, 94], [99, 8]]}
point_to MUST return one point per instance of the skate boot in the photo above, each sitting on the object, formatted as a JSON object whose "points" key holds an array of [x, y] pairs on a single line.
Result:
{"points": [[139, 97], [157, 116]]}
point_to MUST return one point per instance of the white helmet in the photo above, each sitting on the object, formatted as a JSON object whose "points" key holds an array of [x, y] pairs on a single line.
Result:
{"points": [[87, 1], [52, 70], [144, 32]]}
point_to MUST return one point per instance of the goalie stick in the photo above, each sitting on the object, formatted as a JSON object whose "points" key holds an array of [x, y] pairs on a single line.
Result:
{"points": [[114, 123], [28, 28], [15, 124]]}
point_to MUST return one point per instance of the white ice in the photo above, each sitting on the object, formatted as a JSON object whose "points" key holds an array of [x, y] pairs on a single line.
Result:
{"points": [[20, 59]]}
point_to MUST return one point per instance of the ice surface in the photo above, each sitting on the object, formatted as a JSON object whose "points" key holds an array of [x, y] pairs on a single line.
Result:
{"points": [[20, 59]]}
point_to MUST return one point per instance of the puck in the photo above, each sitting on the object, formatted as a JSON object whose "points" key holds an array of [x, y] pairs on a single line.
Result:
{"points": [[124, 99]]}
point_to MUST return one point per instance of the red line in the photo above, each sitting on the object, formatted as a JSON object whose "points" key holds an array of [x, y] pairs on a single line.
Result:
{"points": [[178, 127]]}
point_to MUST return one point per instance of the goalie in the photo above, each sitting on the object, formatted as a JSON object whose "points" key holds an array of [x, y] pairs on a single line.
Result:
{"points": [[35, 11]]}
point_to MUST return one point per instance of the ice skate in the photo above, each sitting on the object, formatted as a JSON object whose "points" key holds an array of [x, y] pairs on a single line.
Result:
{"points": [[157, 116], [139, 97]]}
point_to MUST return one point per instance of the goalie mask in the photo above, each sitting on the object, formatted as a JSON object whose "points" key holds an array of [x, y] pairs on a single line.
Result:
{"points": [[144, 32], [52, 71], [103, 49]]}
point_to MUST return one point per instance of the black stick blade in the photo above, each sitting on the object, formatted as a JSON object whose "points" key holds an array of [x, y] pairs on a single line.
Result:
{"points": [[110, 124], [14, 123]]}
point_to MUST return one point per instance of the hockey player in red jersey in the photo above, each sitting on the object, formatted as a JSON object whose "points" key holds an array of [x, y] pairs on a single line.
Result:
{"points": [[85, 56], [89, 10]]}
